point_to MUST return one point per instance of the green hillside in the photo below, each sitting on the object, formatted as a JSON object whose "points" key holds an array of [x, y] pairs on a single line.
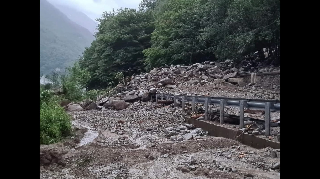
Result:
{"points": [[61, 40]]}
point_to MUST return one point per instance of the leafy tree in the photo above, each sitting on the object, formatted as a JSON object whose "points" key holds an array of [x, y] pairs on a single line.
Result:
{"points": [[122, 37]]}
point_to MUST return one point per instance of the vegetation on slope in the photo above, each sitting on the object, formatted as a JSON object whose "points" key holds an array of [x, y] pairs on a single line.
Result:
{"points": [[165, 32], [55, 123], [61, 40]]}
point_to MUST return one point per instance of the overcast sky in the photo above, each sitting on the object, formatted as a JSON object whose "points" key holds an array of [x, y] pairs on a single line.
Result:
{"points": [[95, 8]]}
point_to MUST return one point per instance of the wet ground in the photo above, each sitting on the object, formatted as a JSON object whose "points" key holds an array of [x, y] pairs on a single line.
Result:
{"points": [[147, 141]]}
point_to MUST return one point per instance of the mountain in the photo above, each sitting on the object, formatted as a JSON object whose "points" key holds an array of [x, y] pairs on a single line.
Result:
{"points": [[62, 41], [77, 16]]}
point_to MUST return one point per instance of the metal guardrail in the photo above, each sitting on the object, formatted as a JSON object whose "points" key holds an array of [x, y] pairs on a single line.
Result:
{"points": [[267, 105]]}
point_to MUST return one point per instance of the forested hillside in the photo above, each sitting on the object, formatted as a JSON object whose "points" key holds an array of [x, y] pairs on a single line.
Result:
{"points": [[165, 32], [61, 40], [77, 16]]}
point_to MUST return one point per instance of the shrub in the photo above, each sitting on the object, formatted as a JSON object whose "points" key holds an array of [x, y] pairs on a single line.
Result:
{"points": [[54, 121]]}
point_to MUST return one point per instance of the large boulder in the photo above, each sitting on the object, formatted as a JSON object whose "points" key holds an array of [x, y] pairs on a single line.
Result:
{"points": [[74, 107], [131, 98], [119, 104], [91, 106]]}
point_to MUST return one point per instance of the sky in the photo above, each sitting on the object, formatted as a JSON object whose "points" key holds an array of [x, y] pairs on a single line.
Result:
{"points": [[95, 8]]}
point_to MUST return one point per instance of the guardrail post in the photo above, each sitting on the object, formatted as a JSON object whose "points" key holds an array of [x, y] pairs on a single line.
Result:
{"points": [[167, 97], [183, 103], [206, 108], [222, 102], [162, 96], [267, 118], [242, 104], [175, 101], [193, 104]]}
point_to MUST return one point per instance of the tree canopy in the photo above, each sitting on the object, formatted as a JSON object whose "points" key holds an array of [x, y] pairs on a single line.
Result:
{"points": [[165, 32]]}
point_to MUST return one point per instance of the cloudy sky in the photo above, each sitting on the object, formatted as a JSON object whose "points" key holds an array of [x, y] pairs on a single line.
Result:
{"points": [[95, 8]]}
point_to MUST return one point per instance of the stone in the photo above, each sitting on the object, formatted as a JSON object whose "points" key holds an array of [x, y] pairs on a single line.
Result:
{"points": [[230, 75], [173, 138], [74, 107], [166, 81], [183, 169], [236, 80], [92, 106], [131, 98], [179, 138], [119, 104], [152, 90], [171, 86], [273, 154], [276, 166], [145, 96]]}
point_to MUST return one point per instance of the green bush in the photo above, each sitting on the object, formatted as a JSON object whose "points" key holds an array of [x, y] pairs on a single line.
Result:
{"points": [[54, 121]]}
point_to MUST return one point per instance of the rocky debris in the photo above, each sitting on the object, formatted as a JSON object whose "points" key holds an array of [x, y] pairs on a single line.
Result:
{"points": [[208, 78], [48, 157], [74, 107]]}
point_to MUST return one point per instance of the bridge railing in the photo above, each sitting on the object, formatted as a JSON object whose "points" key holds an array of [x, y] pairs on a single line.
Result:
{"points": [[266, 105]]}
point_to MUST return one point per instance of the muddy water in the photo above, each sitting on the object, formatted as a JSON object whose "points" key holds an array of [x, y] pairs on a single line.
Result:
{"points": [[89, 136]]}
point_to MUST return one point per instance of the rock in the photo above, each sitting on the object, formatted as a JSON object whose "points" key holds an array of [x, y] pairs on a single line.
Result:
{"points": [[92, 106], [103, 101], [192, 167], [166, 81], [159, 85], [236, 80], [182, 127], [153, 91], [145, 96], [188, 136], [230, 75], [179, 138], [119, 104], [273, 154], [151, 157], [74, 107], [171, 86], [276, 166], [189, 126], [218, 81], [131, 98], [204, 77], [183, 169]]}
